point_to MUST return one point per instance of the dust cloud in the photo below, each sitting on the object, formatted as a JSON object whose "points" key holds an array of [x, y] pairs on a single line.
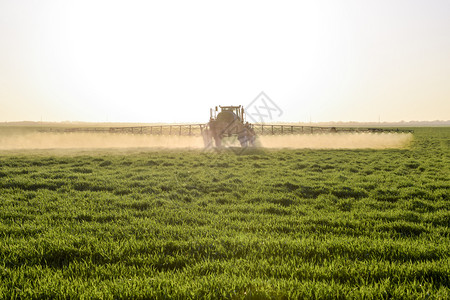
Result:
{"points": [[104, 141], [339, 141], [95, 141]]}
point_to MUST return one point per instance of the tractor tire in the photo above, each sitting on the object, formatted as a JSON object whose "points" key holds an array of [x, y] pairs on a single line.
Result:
{"points": [[218, 141]]}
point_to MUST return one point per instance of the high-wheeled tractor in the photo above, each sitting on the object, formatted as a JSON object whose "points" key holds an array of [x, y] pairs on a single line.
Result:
{"points": [[230, 121]]}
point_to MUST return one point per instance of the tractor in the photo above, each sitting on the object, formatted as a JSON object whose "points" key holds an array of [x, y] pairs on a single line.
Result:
{"points": [[230, 121]]}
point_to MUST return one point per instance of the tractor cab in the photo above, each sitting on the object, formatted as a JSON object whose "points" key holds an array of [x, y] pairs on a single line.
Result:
{"points": [[237, 110]]}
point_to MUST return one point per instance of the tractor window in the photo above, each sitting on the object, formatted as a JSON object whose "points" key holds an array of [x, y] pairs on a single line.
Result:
{"points": [[234, 109]]}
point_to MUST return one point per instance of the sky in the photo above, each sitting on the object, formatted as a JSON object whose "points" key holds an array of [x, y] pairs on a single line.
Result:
{"points": [[170, 61]]}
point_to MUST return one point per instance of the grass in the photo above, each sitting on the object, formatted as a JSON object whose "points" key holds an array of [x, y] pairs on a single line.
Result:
{"points": [[265, 224]]}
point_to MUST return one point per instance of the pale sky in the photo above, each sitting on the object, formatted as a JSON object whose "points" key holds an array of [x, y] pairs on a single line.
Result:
{"points": [[170, 61]]}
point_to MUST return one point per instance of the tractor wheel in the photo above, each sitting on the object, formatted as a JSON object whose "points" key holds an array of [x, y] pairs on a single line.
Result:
{"points": [[251, 141], [218, 140], [243, 140]]}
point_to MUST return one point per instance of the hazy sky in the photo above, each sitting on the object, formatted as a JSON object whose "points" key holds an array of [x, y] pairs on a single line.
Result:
{"points": [[170, 61]]}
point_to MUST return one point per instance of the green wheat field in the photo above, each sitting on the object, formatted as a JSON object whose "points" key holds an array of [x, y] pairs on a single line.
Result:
{"points": [[256, 224]]}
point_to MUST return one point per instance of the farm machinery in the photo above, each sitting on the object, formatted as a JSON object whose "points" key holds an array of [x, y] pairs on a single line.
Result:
{"points": [[230, 121], [225, 122]]}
